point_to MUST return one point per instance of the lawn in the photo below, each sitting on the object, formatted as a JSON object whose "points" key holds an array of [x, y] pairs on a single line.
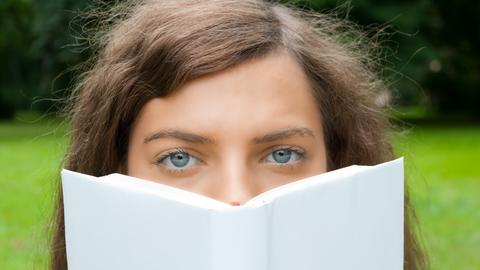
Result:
{"points": [[30, 154], [441, 164]]}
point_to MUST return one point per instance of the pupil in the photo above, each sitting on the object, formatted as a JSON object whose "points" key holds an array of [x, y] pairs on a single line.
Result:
{"points": [[282, 156], [179, 159]]}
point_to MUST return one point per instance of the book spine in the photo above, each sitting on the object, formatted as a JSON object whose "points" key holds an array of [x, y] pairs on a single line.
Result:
{"points": [[240, 238]]}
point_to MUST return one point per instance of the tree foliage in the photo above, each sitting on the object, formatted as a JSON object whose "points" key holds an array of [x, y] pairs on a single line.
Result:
{"points": [[36, 44], [430, 50]]}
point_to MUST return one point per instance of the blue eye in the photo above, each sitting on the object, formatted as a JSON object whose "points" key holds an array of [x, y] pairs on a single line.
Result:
{"points": [[177, 160], [285, 155]]}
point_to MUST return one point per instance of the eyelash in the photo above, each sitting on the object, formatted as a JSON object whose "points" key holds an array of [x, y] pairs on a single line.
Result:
{"points": [[297, 151]]}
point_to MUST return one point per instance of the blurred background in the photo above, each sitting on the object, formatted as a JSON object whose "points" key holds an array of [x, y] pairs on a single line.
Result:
{"points": [[431, 59]]}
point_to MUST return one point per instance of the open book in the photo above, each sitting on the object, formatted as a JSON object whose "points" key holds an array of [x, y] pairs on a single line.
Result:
{"points": [[349, 219]]}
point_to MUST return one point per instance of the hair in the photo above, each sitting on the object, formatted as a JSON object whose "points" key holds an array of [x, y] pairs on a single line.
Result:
{"points": [[150, 48]]}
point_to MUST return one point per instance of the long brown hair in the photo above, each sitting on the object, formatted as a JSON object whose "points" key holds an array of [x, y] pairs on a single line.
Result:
{"points": [[151, 48]]}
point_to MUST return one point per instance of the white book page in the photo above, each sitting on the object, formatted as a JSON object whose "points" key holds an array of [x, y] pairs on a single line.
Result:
{"points": [[115, 227], [347, 222], [169, 192], [151, 187], [195, 199], [122, 222], [269, 195], [185, 196]]}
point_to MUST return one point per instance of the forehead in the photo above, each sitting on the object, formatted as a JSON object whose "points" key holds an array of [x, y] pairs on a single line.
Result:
{"points": [[256, 95]]}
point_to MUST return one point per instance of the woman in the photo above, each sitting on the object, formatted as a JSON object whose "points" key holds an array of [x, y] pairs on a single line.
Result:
{"points": [[227, 99]]}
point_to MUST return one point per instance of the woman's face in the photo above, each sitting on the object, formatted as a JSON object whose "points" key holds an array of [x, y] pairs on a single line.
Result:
{"points": [[232, 135]]}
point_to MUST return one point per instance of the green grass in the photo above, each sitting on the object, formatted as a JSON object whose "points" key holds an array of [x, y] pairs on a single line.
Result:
{"points": [[444, 177], [30, 154], [441, 164]]}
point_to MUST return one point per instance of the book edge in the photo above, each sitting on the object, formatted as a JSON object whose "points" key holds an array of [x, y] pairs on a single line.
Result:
{"points": [[171, 193]]}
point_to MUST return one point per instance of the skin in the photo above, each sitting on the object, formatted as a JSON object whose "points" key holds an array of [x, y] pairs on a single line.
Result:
{"points": [[232, 110]]}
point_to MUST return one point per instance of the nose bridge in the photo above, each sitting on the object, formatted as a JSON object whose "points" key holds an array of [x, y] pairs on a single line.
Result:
{"points": [[236, 182]]}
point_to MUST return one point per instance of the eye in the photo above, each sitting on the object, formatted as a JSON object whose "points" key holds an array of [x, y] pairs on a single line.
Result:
{"points": [[284, 155], [177, 160]]}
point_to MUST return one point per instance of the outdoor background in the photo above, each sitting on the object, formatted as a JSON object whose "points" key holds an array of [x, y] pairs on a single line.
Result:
{"points": [[431, 59]]}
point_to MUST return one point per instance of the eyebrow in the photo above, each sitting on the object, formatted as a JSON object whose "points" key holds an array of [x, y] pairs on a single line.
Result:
{"points": [[194, 138]]}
